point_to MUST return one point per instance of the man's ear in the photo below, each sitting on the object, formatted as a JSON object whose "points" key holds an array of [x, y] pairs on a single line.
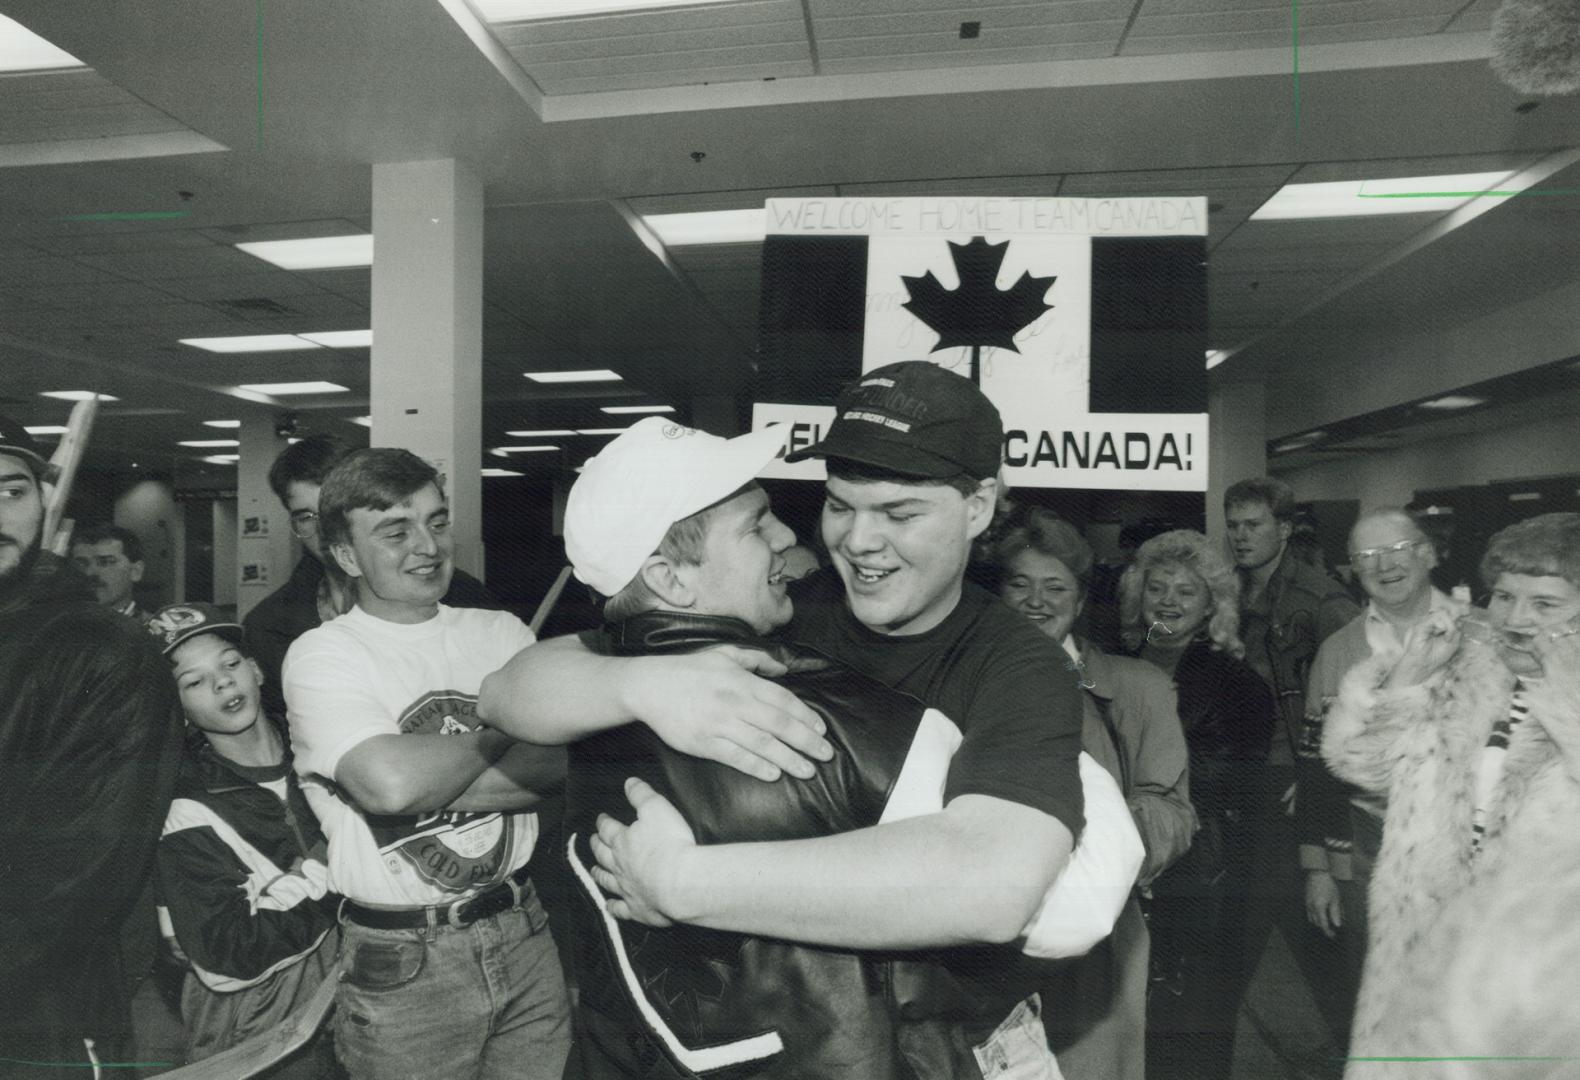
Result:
{"points": [[137, 570], [257, 672], [669, 582], [345, 557], [979, 507], [1285, 530]]}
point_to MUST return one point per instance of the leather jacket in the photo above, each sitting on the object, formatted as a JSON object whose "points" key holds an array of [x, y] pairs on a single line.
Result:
{"points": [[684, 1001], [1282, 629]]}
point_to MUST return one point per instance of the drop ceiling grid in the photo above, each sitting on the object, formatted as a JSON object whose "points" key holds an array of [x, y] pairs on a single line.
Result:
{"points": [[1166, 43], [57, 106]]}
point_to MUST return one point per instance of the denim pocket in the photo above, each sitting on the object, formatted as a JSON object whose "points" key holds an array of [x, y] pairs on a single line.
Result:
{"points": [[383, 963]]}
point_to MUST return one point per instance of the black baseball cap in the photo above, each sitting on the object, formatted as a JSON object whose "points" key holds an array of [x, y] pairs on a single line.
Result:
{"points": [[917, 419], [15, 440], [175, 623]]}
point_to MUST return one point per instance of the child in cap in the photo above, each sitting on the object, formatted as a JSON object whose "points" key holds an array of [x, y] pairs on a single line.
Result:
{"points": [[243, 883]]}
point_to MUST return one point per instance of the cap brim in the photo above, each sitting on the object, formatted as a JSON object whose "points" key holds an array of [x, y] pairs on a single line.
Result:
{"points": [[42, 469], [232, 632], [749, 456], [878, 452]]}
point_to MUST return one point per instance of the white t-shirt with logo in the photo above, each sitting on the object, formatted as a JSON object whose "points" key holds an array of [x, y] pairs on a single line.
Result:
{"points": [[360, 676]]}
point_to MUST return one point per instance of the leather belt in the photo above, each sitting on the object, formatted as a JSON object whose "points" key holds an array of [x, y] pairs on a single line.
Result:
{"points": [[505, 896]]}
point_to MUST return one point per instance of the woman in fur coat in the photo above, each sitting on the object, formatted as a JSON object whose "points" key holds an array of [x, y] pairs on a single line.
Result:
{"points": [[1475, 736]]}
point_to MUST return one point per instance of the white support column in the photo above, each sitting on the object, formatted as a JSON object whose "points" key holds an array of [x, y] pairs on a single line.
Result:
{"points": [[1237, 441], [263, 532], [427, 376]]}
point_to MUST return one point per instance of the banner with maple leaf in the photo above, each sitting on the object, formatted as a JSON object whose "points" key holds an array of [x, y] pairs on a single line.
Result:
{"points": [[1083, 320]]}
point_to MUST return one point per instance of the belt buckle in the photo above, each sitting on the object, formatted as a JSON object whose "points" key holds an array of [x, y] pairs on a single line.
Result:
{"points": [[452, 913]]}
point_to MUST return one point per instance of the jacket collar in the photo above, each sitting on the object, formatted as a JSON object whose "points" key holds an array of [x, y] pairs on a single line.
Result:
{"points": [[673, 631], [1096, 669]]}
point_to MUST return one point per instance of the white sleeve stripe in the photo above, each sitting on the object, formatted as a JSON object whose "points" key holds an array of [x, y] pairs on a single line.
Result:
{"points": [[919, 789], [706, 1059]]}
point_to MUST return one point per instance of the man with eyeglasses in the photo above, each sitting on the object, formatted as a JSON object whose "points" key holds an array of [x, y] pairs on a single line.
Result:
{"points": [[293, 609], [1340, 825]]}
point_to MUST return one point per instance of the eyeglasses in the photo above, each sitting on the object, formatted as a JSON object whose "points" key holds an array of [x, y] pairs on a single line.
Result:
{"points": [[304, 523], [1371, 558], [1476, 627]]}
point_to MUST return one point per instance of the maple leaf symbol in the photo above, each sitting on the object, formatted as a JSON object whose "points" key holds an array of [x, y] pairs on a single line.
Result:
{"points": [[978, 313]]}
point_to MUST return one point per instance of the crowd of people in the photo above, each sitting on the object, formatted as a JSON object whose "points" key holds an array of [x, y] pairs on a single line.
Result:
{"points": [[897, 817]]}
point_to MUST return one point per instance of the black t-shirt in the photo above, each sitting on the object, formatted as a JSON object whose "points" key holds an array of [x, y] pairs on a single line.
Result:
{"points": [[1009, 688]]}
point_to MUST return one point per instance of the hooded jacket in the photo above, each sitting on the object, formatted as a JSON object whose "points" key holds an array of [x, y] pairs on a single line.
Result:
{"points": [[90, 742]]}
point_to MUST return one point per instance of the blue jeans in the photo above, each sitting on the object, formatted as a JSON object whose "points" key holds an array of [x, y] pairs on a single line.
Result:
{"points": [[483, 1002]]}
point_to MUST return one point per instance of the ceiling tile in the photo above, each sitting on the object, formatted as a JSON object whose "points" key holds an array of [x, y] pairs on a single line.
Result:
{"points": [[909, 61], [168, 264], [746, 35], [279, 285], [572, 81], [1385, 168], [994, 20], [100, 294], [45, 270], [638, 23], [693, 201], [92, 243], [984, 186]]}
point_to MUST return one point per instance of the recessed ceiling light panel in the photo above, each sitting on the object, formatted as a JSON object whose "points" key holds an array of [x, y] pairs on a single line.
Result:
{"points": [[46, 429], [285, 389], [524, 449], [251, 343], [76, 395], [23, 50], [547, 433], [314, 253], [633, 410], [596, 375], [342, 339], [1454, 401], [222, 423], [208, 444], [710, 227], [1364, 198]]}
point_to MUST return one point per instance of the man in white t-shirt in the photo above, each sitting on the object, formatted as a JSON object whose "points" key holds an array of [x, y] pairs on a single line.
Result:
{"points": [[448, 967]]}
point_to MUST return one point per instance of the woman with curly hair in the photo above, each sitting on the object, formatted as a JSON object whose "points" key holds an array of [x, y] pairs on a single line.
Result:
{"points": [[1474, 734], [1179, 608], [1130, 727]]}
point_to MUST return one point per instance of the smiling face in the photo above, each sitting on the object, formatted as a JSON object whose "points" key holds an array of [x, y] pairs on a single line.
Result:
{"points": [[1044, 590], [1522, 606], [742, 569], [1175, 605], [1256, 537], [1393, 563], [218, 685], [21, 516], [901, 549], [400, 558], [112, 573]]}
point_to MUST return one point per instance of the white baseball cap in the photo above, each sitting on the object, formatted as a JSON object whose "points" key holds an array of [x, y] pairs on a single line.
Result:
{"points": [[653, 475]]}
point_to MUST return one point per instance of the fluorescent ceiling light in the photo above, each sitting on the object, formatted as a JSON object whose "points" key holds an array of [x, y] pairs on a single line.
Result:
{"points": [[597, 375], [208, 443], [524, 10], [314, 253], [632, 410], [222, 423], [500, 472], [362, 421], [550, 433], [23, 50], [600, 430], [281, 389], [221, 459], [342, 339], [251, 343], [1525, 496], [1215, 357], [710, 227], [76, 395], [524, 449], [46, 429], [1453, 401], [1362, 198]]}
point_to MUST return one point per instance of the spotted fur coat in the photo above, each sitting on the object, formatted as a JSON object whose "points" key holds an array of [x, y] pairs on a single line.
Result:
{"points": [[1469, 955]]}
